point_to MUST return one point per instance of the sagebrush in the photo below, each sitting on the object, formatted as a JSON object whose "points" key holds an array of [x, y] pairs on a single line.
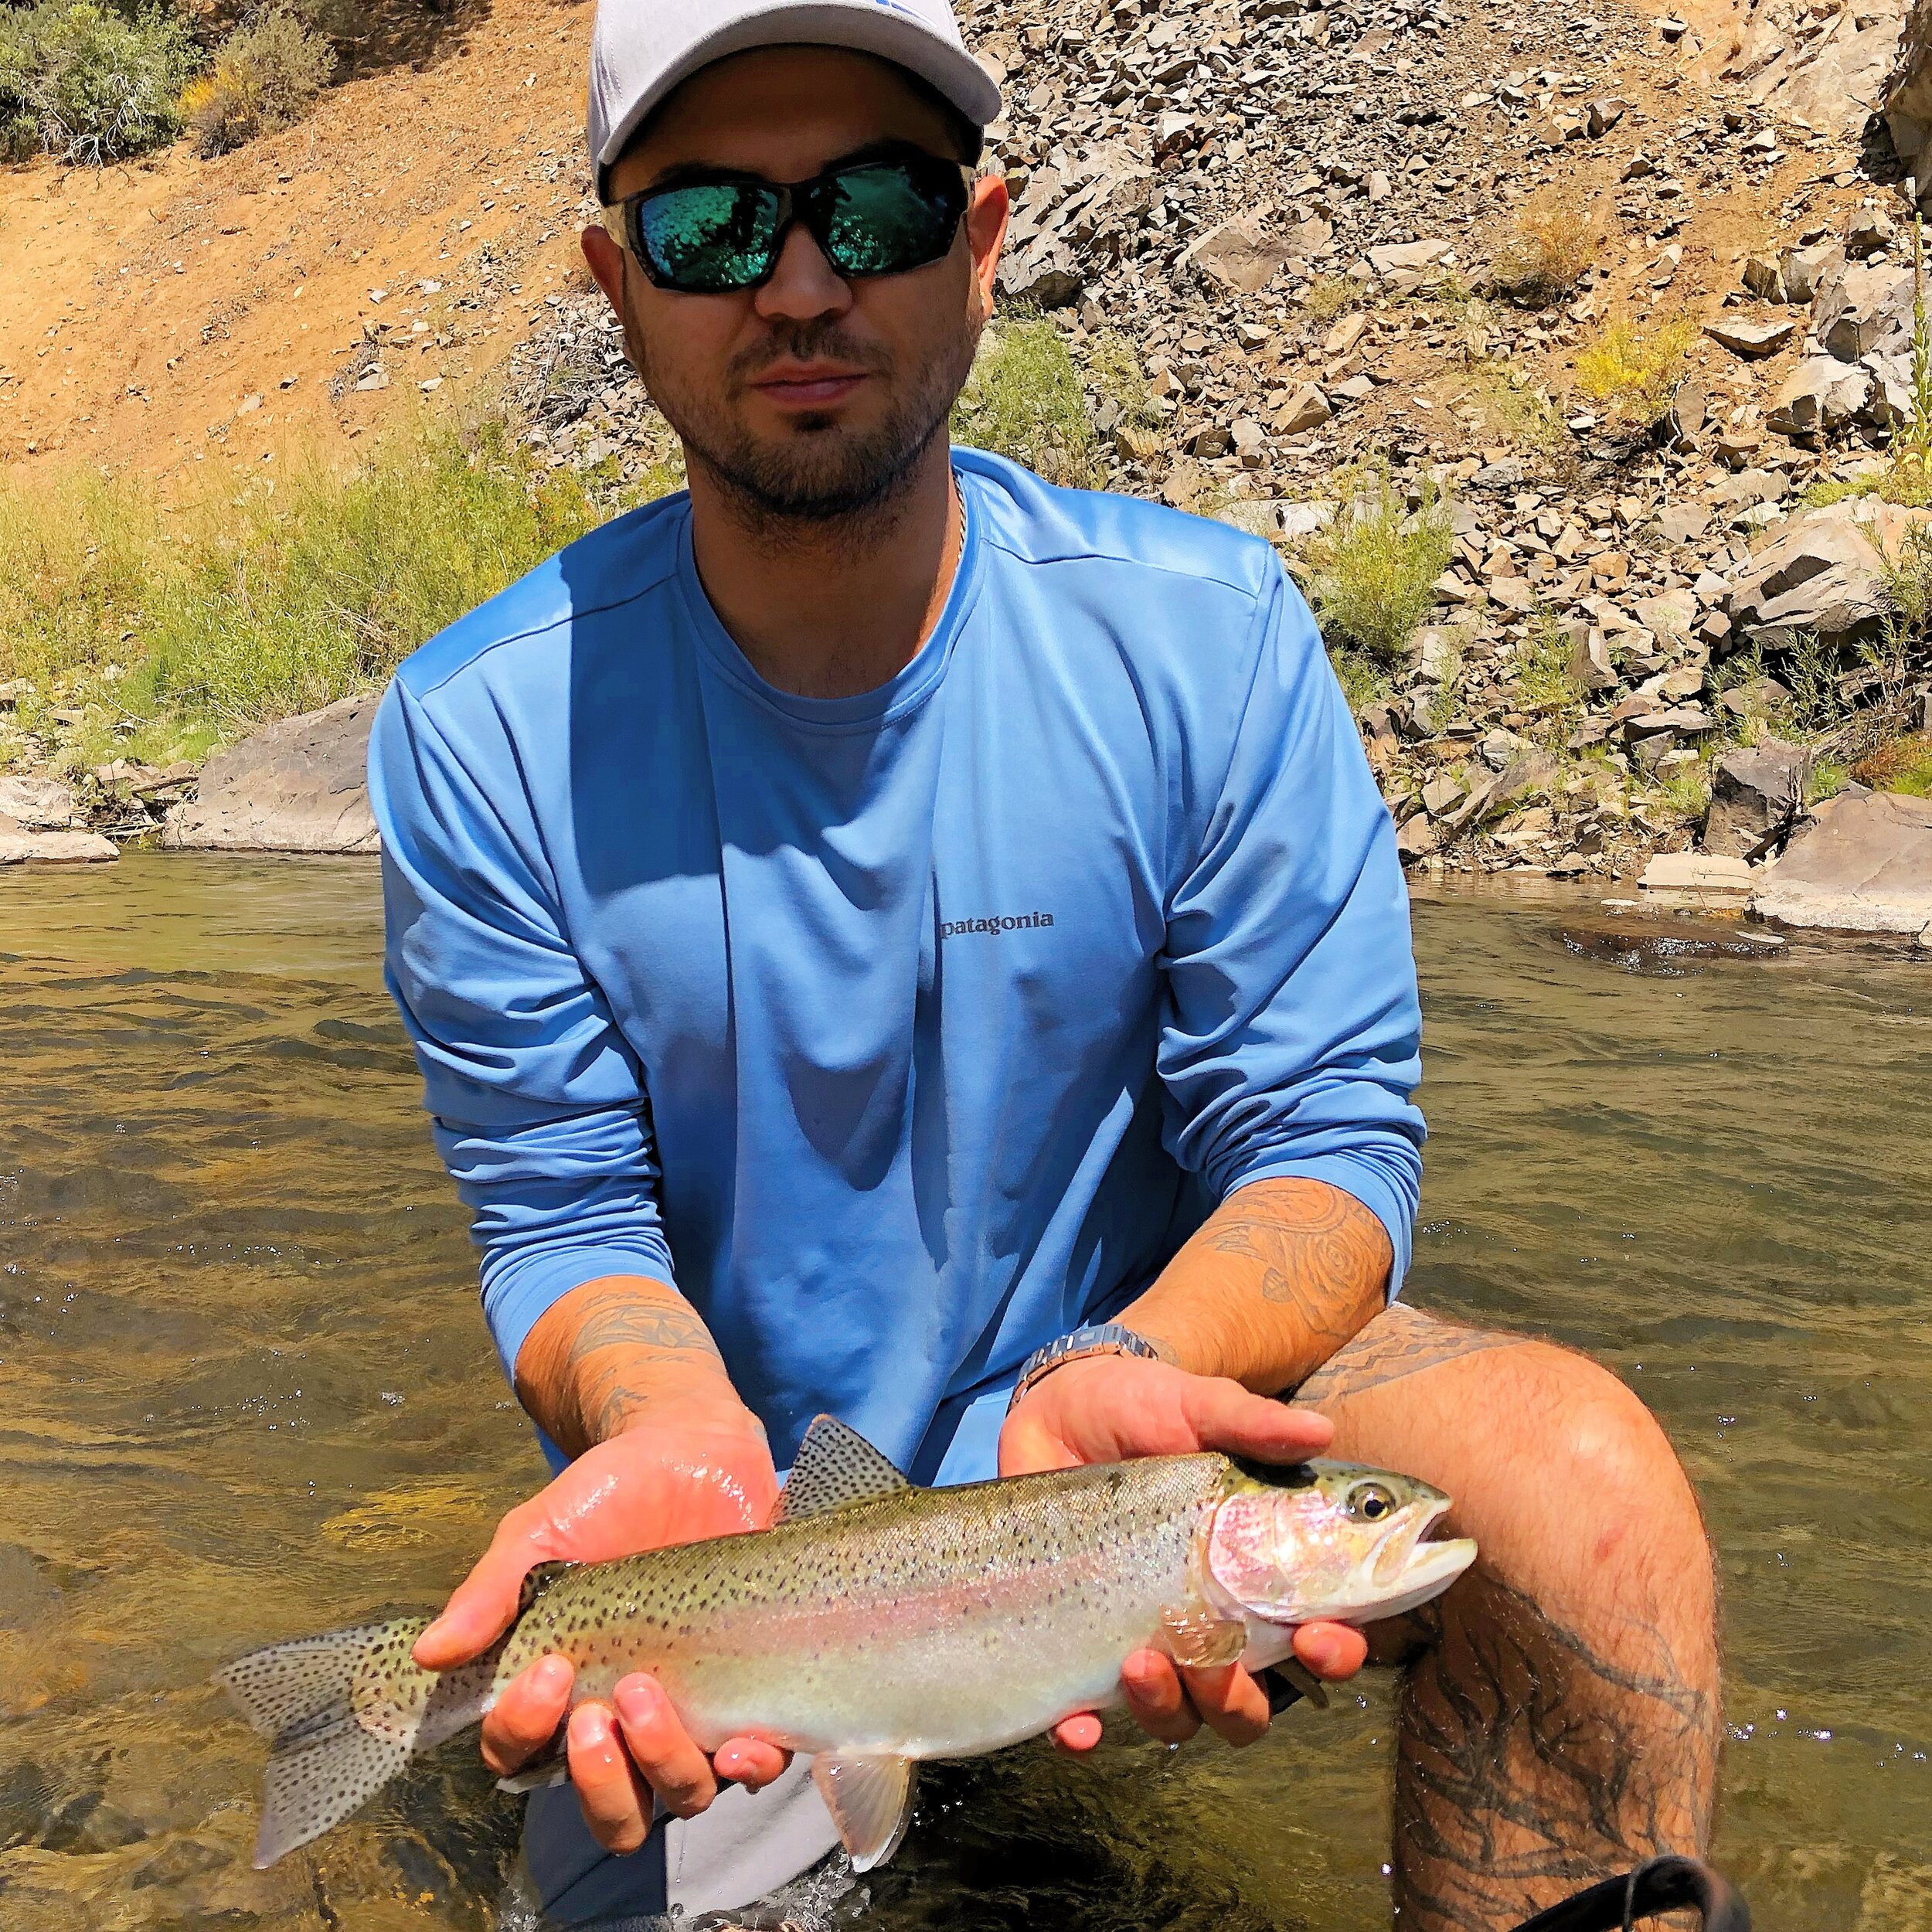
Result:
{"points": [[90, 84], [266, 77]]}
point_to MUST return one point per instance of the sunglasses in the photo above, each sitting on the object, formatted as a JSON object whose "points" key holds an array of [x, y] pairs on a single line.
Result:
{"points": [[878, 217]]}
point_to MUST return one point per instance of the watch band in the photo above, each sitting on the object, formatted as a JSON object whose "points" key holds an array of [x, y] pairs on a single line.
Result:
{"points": [[1101, 1338]]}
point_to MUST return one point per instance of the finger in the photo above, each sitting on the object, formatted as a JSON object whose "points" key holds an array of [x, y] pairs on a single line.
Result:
{"points": [[616, 1807], [662, 1748], [1226, 1415], [749, 1761], [1332, 1651], [1077, 1735], [484, 1605], [1231, 1703], [526, 1717], [1156, 1699]]}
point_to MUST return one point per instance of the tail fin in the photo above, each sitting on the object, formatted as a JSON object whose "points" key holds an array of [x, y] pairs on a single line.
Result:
{"points": [[347, 1711]]}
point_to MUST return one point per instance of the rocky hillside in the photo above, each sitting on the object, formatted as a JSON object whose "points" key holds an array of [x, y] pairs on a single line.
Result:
{"points": [[1560, 351]]}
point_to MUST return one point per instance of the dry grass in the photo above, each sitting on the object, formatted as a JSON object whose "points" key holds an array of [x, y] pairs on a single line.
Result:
{"points": [[1903, 765], [1553, 243], [1633, 372], [1329, 296], [182, 625]]}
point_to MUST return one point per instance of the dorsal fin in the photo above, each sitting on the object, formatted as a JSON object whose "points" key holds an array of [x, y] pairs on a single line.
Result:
{"points": [[835, 1467]]}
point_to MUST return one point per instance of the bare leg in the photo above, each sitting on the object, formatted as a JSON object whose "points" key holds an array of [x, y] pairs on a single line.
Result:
{"points": [[1558, 1714]]}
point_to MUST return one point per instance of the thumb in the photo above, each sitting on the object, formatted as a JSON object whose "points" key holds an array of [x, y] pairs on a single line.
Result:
{"points": [[480, 1608], [1226, 1417]]}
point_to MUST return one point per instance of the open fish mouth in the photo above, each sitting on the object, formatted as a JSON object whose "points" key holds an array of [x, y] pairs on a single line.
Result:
{"points": [[1405, 1569]]}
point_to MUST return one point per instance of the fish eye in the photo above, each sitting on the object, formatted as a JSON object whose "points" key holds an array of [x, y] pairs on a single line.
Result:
{"points": [[1370, 1502]]}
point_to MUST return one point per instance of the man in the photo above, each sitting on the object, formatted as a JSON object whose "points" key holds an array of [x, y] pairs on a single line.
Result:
{"points": [[878, 930]]}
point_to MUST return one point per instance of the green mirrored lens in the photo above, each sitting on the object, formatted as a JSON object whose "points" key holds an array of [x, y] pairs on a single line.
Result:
{"points": [[711, 237], [882, 220]]}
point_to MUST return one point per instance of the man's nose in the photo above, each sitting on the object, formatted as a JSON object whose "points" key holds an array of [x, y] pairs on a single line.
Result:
{"points": [[804, 285]]}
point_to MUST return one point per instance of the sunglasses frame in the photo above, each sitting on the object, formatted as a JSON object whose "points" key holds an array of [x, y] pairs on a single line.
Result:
{"points": [[623, 219]]}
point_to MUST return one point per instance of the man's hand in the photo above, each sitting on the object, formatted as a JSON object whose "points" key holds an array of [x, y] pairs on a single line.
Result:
{"points": [[691, 1469], [1112, 1408]]}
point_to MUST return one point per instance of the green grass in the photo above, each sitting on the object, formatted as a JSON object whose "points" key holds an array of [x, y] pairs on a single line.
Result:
{"points": [[1363, 681], [1024, 399], [1372, 573], [1827, 780], [1541, 668], [1903, 765], [1685, 793], [168, 630]]}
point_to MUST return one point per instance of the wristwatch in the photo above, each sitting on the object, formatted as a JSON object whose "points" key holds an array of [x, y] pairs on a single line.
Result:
{"points": [[1103, 1338]]}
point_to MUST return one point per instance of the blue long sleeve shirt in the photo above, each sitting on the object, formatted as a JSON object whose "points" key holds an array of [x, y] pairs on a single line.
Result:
{"points": [[905, 1032]]}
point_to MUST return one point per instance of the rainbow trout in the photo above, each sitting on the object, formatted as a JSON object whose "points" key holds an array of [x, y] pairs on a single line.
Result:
{"points": [[876, 1624]]}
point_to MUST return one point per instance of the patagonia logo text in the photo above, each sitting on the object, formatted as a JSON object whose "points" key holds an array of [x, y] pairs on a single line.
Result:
{"points": [[1007, 923]]}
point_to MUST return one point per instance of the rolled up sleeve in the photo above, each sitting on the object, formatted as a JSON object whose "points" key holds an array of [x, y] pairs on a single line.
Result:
{"points": [[1291, 1037], [536, 1102]]}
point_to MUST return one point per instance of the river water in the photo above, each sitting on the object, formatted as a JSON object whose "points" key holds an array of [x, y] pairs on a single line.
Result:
{"points": [[245, 1394]]}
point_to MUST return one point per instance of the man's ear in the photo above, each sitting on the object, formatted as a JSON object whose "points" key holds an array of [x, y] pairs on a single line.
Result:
{"points": [[605, 260], [987, 214]]}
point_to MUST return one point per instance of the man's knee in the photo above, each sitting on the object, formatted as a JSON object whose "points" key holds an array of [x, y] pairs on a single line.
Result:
{"points": [[1563, 1476], [1583, 1500]]}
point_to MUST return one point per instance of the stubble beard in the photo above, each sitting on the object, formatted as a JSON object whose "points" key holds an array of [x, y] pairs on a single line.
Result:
{"points": [[816, 478]]}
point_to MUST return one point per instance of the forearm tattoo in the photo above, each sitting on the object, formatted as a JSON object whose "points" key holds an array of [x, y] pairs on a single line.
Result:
{"points": [[624, 1339], [1314, 1257]]}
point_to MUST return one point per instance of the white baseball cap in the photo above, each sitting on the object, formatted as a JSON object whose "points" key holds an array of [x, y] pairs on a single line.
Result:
{"points": [[641, 49]]}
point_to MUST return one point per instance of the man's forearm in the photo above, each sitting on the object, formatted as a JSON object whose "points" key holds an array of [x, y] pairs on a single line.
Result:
{"points": [[598, 1358], [1275, 1279]]}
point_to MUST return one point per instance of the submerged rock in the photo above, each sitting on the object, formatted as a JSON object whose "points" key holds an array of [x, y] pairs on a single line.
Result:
{"points": [[1662, 945], [298, 786]]}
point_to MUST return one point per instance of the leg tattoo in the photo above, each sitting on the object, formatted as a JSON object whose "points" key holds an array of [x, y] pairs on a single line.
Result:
{"points": [[1558, 1721], [1528, 1763]]}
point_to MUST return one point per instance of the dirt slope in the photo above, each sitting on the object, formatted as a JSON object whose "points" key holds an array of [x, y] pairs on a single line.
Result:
{"points": [[155, 314]]}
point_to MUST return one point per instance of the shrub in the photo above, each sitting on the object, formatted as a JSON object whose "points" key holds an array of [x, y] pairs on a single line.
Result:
{"points": [[1372, 573], [1635, 372], [1546, 259], [88, 84], [1024, 400], [266, 77], [1543, 667]]}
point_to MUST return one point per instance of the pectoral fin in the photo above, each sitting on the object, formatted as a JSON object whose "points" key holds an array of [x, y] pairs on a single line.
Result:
{"points": [[1199, 1639], [871, 1801]]}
